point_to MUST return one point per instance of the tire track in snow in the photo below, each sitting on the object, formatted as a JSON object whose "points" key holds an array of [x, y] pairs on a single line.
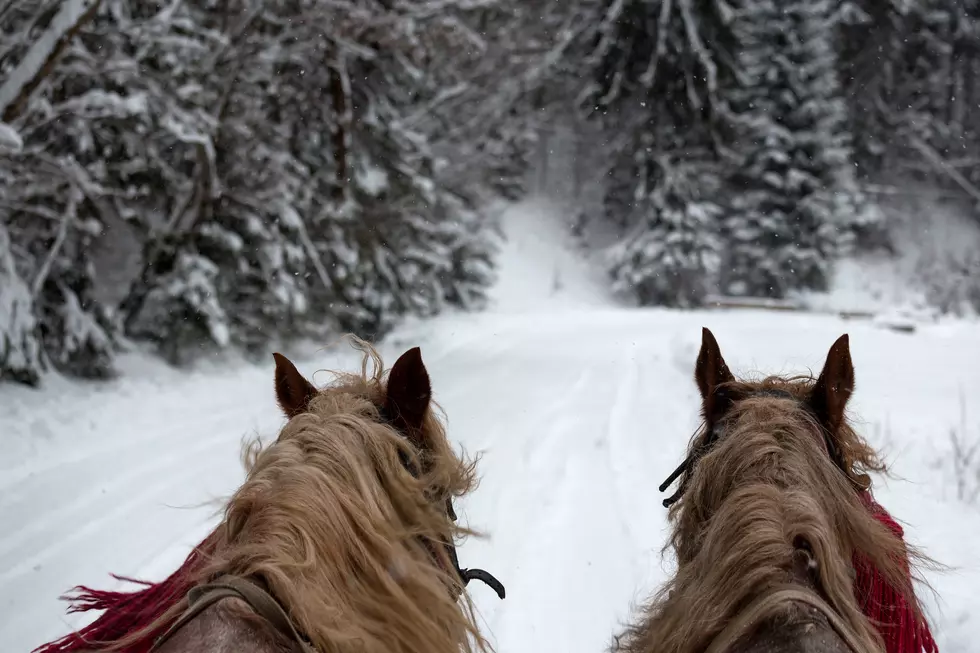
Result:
{"points": [[543, 463], [572, 555], [530, 463], [174, 433], [134, 502], [75, 508], [549, 459], [556, 415], [634, 457], [621, 412], [127, 517]]}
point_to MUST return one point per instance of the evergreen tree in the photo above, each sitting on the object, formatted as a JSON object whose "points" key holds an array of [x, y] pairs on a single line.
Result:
{"points": [[794, 204], [227, 268], [392, 233], [406, 247], [661, 62], [670, 256], [661, 74], [870, 53], [179, 310], [321, 210], [86, 128], [910, 71], [276, 176]]}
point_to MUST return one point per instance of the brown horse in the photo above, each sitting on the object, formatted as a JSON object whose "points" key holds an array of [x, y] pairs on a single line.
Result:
{"points": [[768, 520], [339, 540]]}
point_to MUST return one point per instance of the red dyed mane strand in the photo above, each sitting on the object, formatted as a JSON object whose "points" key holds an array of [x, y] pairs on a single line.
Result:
{"points": [[127, 612], [885, 607]]}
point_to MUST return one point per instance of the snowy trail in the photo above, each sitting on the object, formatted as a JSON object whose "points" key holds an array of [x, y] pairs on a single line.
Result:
{"points": [[580, 416], [579, 411], [104, 482]]}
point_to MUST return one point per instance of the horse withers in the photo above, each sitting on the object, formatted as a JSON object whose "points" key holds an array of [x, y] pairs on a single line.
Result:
{"points": [[780, 547], [341, 537]]}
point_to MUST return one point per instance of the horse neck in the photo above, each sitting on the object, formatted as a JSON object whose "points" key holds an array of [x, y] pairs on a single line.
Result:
{"points": [[731, 554], [345, 574]]}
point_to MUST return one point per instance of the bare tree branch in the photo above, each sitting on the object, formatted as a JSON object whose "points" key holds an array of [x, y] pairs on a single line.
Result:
{"points": [[69, 216], [934, 157]]}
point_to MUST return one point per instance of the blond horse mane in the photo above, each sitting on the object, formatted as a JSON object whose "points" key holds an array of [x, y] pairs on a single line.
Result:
{"points": [[330, 520], [764, 485]]}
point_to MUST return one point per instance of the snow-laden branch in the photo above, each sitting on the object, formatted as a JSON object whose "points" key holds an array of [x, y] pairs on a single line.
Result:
{"points": [[607, 32], [651, 72], [700, 51], [40, 57], [933, 157], [340, 90], [439, 7], [426, 110], [10, 140], [6, 7]]}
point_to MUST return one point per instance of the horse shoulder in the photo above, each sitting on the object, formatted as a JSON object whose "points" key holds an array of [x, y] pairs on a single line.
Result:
{"points": [[228, 626]]}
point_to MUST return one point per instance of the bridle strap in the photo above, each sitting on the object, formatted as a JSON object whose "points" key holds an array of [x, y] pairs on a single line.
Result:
{"points": [[465, 575], [749, 618]]}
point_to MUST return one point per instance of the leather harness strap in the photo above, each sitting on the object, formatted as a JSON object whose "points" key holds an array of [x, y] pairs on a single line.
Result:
{"points": [[203, 597], [751, 616]]}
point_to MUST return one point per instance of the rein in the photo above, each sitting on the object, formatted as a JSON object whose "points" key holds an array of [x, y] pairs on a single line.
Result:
{"points": [[465, 575]]}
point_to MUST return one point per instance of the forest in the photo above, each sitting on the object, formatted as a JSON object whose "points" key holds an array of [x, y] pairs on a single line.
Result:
{"points": [[198, 177]]}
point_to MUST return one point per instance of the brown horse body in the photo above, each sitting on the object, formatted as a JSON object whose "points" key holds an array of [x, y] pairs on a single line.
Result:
{"points": [[770, 498], [345, 522]]}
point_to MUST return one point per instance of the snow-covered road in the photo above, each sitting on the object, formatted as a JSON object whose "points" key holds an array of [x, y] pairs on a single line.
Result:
{"points": [[580, 412]]}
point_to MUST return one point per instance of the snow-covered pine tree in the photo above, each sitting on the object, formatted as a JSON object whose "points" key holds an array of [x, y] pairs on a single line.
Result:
{"points": [[45, 215], [176, 307], [670, 256], [870, 63], [234, 276], [401, 244], [661, 72], [311, 206], [667, 63], [391, 237], [473, 248], [514, 64], [794, 202], [910, 71], [228, 267], [58, 190]]}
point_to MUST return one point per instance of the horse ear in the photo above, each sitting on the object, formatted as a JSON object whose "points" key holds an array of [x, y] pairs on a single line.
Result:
{"points": [[408, 394], [293, 391], [710, 372], [834, 386]]}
